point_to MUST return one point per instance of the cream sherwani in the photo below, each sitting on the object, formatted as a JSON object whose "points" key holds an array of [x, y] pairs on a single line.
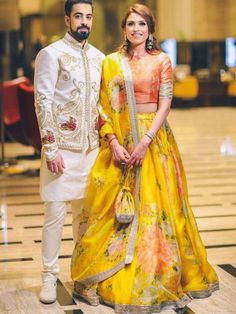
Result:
{"points": [[67, 83]]}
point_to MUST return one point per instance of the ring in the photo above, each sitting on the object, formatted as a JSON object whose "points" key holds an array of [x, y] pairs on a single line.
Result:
{"points": [[122, 163]]}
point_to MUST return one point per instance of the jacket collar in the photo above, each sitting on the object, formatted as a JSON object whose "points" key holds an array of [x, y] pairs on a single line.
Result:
{"points": [[71, 41]]}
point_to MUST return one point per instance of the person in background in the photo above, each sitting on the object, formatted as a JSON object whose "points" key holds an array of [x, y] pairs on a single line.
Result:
{"points": [[67, 84]]}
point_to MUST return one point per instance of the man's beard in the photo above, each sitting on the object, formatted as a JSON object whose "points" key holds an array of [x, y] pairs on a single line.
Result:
{"points": [[80, 35]]}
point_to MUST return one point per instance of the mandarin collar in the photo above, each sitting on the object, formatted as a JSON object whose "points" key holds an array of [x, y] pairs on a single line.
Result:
{"points": [[71, 41]]}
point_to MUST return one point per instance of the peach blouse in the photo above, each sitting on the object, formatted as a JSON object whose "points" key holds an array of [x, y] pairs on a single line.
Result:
{"points": [[152, 77]]}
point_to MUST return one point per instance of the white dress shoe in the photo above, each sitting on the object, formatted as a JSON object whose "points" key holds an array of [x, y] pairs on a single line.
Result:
{"points": [[48, 292]]}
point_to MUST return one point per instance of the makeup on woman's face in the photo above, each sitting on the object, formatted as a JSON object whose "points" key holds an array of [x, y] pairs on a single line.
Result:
{"points": [[136, 29]]}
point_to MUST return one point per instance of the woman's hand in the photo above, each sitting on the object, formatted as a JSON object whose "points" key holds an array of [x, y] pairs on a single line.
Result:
{"points": [[119, 153], [139, 152]]}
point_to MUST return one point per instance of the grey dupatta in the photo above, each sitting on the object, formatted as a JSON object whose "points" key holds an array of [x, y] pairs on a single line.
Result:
{"points": [[134, 224], [135, 135]]}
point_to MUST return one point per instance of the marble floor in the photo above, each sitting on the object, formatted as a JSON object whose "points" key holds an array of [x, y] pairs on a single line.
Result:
{"points": [[207, 141]]}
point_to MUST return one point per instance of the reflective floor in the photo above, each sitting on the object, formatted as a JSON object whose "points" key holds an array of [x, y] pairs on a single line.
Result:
{"points": [[207, 141]]}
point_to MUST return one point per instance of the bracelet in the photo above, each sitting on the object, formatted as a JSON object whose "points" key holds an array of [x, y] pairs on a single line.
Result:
{"points": [[111, 139], [151, 134]]}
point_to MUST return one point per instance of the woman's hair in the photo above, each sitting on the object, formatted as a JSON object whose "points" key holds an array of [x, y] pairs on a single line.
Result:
{"points": [[69, 4], [147, 15]]}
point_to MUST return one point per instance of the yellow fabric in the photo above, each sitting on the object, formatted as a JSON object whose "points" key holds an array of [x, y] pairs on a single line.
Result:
{"points": [[232, 89], [169, 257], [188, 88]]}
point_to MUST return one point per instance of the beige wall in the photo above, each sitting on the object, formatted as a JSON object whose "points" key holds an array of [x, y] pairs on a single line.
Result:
{"points": [[208, 19], [29, 7], [230, 21], [174, 19], [9, 15], [196, 19], [182, 19]]}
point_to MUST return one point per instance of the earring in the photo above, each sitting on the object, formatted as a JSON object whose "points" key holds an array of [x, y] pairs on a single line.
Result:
{"points": [[126, 43], [150, 42]]}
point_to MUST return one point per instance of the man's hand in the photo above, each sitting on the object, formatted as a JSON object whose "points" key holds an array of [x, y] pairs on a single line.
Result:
{"points": [[57, 165]]}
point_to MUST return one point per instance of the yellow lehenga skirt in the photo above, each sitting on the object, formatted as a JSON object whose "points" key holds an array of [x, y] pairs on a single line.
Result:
{"points": [[156, 262]]}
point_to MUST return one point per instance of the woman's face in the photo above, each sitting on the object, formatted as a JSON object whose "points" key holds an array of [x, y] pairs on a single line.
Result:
{"points": [[136, 29]]}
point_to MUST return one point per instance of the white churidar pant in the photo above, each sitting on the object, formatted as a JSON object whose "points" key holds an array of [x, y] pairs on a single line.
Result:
{"points": [[57, 191]]}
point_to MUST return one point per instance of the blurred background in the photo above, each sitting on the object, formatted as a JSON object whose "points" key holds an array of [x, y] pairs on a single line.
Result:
{"points": [[198, 35]]}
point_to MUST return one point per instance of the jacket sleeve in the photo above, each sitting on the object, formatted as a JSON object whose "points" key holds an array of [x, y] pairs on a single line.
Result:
{"points": [[166, 79], [46, 75], [105, 110]]}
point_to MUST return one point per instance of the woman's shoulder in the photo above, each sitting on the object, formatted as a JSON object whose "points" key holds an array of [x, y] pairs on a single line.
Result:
{"points": [[112, 62], [161, 56], [112, 57], [160, 59]]}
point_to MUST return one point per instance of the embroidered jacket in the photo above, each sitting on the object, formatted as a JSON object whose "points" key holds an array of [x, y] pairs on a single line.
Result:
{"points": [[67, 84]]}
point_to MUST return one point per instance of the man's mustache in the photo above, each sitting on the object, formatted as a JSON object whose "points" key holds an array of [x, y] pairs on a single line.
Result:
{"points": [[83, 27]]}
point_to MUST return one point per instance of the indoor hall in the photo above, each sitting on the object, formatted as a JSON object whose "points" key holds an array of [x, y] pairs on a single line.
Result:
{"points": [[202, 119]]}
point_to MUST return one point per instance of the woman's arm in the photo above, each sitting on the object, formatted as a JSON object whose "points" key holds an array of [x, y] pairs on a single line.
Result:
{"points": [[165, 97], [119, 153]]}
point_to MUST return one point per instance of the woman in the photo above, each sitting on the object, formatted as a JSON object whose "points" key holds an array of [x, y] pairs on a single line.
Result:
{"points": [[158, 260]]}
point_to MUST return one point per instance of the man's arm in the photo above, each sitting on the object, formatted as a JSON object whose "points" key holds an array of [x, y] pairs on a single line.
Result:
{"points": [[46, 75]]}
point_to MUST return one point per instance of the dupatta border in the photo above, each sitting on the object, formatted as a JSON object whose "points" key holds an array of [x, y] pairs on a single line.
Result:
{"points": [[166, 305], [141, 309], [135, 135], [128, 79], [103, 275], [127, 260], [201, 294]]}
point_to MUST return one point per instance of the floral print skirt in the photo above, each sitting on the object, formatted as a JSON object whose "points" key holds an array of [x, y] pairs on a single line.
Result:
{"points": [[156, 262]]}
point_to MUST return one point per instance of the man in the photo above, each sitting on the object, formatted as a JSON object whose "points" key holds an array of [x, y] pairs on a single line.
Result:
{"points": [[67, 83]]}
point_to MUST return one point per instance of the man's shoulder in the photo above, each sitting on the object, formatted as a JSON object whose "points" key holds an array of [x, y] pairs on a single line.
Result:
{"points": [[96, 51], [52, 48], [56, 45]]}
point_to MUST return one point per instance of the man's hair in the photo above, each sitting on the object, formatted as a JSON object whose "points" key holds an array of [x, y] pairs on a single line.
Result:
{"points": [[69, 4]]}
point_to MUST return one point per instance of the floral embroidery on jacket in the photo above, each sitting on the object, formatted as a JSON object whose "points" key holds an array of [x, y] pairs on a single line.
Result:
{"points": [[97, 123], [69, 125], [48, 138]]}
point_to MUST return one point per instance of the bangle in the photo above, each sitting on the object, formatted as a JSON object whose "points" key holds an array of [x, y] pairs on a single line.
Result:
{"points": [[111, 139], [151, 134], [114, 138]]}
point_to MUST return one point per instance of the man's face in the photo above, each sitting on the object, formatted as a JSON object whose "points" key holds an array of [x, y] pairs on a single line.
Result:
{"points": [[80, 21]]}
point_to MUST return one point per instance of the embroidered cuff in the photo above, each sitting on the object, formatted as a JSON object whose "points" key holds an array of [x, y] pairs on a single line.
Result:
{"points": [[50, 152], [49, 144], [166, 90]]}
